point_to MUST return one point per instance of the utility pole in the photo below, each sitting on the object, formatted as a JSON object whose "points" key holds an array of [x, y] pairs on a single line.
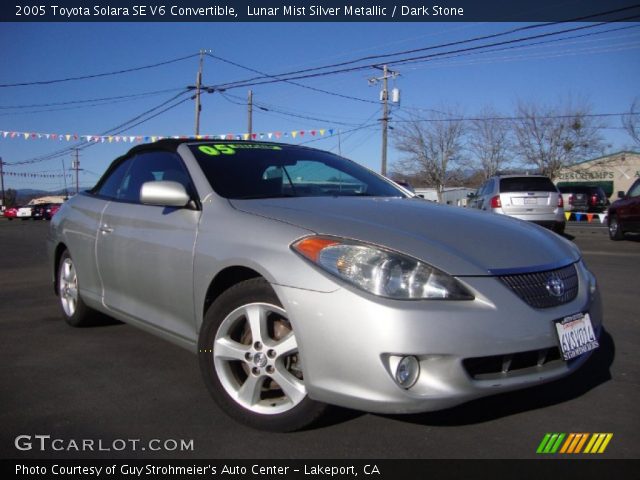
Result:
{"points": [[64, 176], [2, 182], [384, 97], [198, 88], [250, 112], [76, 167]]}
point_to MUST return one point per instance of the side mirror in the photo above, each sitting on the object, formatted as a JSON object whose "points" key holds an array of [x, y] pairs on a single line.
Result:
{"points": [[164, 194], [621, 194]]}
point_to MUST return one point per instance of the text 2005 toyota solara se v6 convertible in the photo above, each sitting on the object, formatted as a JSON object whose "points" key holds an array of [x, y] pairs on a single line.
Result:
{"points": [[302, 279]]}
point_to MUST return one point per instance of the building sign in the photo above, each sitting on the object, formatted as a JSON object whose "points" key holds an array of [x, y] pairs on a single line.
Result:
{"points": [[587, 175]]}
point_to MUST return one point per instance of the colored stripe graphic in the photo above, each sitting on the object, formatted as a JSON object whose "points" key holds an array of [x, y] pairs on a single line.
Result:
{"points": [[555, 443], [550, 443]]}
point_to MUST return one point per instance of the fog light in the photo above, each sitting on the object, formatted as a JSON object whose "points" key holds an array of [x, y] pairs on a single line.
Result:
{"points": [[407, 371]]}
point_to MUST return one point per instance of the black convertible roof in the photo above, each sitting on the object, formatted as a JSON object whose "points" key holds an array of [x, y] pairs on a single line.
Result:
{"points": [[172, 144]]}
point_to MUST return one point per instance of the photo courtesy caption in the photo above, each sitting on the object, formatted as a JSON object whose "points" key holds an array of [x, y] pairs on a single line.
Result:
{"points": [[138, 471]]}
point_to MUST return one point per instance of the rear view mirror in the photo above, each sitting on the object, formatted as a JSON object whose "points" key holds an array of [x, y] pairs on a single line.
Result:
{"points": [[164, 194], [620, 194]]}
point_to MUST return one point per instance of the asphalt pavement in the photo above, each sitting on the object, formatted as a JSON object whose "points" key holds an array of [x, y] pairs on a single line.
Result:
{"points": [[112, 383]]}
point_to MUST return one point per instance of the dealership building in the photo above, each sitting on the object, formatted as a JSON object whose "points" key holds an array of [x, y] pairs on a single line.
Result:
{"points": [[615, 172]]}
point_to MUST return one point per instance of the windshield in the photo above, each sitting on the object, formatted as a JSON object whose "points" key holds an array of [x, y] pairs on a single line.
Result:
{"points": [[259, 170]]}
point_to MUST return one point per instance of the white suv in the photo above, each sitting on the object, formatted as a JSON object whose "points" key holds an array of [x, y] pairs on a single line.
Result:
{"points": [[527, 197]]}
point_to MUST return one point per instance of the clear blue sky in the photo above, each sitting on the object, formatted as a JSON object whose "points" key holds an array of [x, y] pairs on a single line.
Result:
{"points": [[603, 70]]}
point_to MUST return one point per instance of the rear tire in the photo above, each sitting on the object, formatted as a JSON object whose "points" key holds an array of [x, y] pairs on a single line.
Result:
{"points": [[250, 363], [615, 230], [559, 228], [74, 310]]}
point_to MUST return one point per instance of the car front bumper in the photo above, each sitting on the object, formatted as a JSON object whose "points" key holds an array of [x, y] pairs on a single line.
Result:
{"points": [[350, 342]]}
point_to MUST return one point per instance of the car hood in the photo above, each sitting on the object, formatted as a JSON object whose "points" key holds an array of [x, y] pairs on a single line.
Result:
{"points": [[455, 240]]}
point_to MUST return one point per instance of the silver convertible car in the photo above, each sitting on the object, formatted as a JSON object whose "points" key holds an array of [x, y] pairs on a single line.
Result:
{"points": [[302, 279]]}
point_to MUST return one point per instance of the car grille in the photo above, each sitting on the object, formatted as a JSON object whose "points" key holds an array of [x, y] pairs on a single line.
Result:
{"points": [[521, 363], [545, 289]]}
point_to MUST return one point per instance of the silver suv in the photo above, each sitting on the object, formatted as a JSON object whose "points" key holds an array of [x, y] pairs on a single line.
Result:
{"points": [[528, 197]]}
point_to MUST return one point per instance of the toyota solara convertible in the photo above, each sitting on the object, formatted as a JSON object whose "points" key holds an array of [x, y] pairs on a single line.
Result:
{"points": [[302, 279]]}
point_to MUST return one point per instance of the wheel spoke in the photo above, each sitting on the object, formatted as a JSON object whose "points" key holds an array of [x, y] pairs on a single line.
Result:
{"points": [[287, 345], [227, 349], [257, 318], [249, 392], [292, 387]]}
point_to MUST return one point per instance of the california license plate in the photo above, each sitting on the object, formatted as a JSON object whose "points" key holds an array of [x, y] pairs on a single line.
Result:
{"points": [[576, 335]]}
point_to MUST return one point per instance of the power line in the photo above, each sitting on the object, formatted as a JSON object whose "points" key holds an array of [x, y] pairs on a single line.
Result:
{"points": [[271, 109], [96, 75], [320, 90], [90, 100], [295, 75], [483, 119], [113, 131]]}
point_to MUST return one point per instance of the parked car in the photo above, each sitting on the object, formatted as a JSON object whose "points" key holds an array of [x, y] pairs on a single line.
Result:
{"points": [[584, 198], [52, 210], [25, 212], [11, 212], [44, 211], [624, 214], [302, 279], [533, 198], [37, 212]]}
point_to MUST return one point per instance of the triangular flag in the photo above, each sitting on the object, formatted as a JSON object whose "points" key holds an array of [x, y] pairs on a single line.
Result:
{"points": [[132, 139], [302, 133], [322, 131], [68, 137], [269, 135], [589, 217], [254, 136], [567, 215], [278, 134], [602, 217], [26, 136], [331, 131], [579, 216], [294, 134], [313, 133]]}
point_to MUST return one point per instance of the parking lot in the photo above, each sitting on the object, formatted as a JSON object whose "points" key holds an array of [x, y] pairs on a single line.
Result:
{"points": [[115, 382]]}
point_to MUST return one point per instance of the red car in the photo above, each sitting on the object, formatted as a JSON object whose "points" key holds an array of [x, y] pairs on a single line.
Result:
{"points": [[624, 213], [11, 212], [52, 210]]}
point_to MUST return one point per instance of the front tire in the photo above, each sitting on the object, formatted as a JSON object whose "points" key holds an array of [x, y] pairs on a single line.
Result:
{"points": [[73, 308], [615, 230], [250, 362]]}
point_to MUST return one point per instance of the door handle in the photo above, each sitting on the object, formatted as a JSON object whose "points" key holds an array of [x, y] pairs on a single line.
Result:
{"points": [[104, 229]]}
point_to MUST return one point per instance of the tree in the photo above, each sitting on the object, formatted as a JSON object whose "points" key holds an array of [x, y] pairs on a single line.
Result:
{"points": [[489, 142], [10, 197], [551, 138], [631, 121], [433, 148]]}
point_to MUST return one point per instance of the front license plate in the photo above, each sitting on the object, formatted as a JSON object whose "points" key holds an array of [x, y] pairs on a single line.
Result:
{"points": [[576, 335]]}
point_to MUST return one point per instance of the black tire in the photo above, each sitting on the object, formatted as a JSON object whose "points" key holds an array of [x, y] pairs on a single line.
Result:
{"points": [[267, 405], [615, 229], [559, 228], [74, 311]]}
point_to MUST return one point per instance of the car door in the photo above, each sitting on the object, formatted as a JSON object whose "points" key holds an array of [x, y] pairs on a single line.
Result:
{"points": [[145, 253]]}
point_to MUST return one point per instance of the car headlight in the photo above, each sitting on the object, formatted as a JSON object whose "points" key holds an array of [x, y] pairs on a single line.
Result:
{"points": [[380, 271]]}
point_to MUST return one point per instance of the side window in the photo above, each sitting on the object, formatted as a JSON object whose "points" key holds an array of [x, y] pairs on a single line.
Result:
{"points": [[111, 184], [634, 191], [152, 166]]}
